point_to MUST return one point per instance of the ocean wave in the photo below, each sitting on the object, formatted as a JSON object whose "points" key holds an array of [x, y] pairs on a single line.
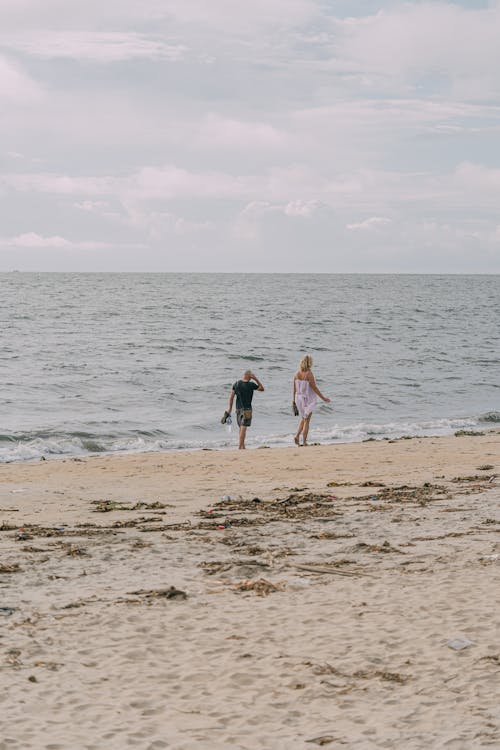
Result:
{"points": [[490, 416], [29, 447], [44, 446], [247, 357], [364, 431]]}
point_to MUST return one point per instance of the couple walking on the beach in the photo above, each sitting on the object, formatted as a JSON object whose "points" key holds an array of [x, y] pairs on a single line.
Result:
{"points": [[305, 398]]}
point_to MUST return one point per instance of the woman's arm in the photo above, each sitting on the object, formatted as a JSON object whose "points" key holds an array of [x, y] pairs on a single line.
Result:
{"points": [[312, 383]]}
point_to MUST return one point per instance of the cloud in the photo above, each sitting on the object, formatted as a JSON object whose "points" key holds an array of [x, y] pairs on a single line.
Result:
{"points": [[240, 17], [300, 208], [216, 131], [65, 14], [185, 226], [91, 206], [97, 46], [34, 240], [412, 41], [374, 222], [101, 209], [479, 177], [16, 86], [59, 184], [296, 208]]}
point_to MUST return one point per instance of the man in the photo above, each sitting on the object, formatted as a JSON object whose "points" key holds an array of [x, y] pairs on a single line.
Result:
{"points": [[243, 390]]}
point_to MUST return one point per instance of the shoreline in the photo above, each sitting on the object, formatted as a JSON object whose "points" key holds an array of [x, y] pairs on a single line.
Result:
{"points": [[465, 431], [253, 599]]}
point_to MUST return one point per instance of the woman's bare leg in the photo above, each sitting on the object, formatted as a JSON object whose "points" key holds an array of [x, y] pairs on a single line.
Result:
{"points": [[307, 422], [299, 430]]}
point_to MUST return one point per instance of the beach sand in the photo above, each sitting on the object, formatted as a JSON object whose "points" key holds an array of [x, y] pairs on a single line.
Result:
{"points": [[317, 604]]}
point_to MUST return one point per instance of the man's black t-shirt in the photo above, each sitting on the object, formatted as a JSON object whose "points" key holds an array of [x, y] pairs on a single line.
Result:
{"points": [[244, 393]]}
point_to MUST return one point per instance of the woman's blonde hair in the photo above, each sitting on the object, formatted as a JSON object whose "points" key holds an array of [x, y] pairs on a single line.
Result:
{"points": [[306, 363]]}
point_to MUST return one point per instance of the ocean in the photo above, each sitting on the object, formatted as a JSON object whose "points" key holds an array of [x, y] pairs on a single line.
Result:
{"points": [[107, 363]]}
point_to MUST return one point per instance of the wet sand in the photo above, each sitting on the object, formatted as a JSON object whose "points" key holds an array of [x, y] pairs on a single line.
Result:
{"points": [[338, 596]]}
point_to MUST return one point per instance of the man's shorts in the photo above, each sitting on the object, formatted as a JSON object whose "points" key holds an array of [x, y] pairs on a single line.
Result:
{"points": [[244, 417]]}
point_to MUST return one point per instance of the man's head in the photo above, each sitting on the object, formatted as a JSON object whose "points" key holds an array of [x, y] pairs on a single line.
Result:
{"points": [[247, 375]]}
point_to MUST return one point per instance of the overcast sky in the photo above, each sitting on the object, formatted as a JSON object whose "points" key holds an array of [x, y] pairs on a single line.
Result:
{"points": [[271, 135]]}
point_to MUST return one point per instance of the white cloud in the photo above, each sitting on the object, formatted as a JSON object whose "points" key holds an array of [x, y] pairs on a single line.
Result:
{"points": [[100, 208], [185, 226], [216, 131], [98, 46], [16, 86], [91, 206], [59, 184], [412, 41], [374, 222], [34, 240], [476, 177], [303, 209], [71, 14], [241, 17]]}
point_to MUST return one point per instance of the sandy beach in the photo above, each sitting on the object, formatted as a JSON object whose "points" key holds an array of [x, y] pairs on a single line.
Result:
{"points": [[338, 596]]}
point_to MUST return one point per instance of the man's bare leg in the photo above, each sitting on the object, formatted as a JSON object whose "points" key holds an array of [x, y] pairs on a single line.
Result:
{"points": [[243, 432]]}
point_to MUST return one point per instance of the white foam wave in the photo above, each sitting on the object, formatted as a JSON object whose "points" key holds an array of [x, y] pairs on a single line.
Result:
{"points": [[362, 431], [72, 446]]}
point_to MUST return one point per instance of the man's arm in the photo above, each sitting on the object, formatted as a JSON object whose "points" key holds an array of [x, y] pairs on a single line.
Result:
{"points": [[231, 399], [259, 384]]}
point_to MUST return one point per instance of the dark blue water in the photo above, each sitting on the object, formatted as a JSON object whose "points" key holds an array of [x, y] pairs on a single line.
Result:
{"points": [[133, 362]]}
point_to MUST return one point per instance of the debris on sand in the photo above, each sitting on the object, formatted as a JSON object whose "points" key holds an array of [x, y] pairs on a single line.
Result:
{"points": [[106, 506], [473, 478], [494, 659], [360, 674], [459, 644], [244, 567], [381, 674], [333, 568], [421, 495], [261, 586], [5, 526], [14, 568], [7, 611], [384, 547], [72, 551], [325, 739], [170, 593], [331, 535]]}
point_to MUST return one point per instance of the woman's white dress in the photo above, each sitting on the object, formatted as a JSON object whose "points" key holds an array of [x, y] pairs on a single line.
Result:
{"points": [[305, 398]]}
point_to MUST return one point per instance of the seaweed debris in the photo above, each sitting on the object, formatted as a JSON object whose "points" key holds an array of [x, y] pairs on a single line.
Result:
{"points": [[169, 593], [261, 587], [107, 506], [13, 568]]}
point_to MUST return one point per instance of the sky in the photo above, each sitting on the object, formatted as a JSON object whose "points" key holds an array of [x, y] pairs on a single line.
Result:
{"points": [[267, 136]]}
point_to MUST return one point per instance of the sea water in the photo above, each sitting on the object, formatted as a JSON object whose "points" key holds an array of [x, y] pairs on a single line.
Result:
{"points": [[95, 363]]}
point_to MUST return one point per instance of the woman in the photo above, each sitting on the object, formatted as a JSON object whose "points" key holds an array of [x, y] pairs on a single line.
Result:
{"points": [[305, 397]]}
